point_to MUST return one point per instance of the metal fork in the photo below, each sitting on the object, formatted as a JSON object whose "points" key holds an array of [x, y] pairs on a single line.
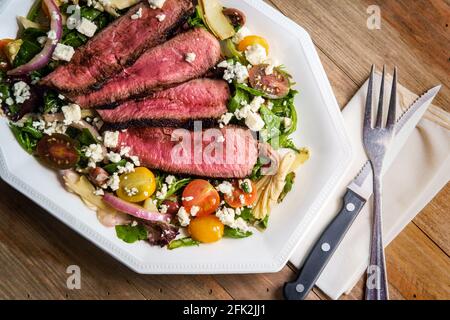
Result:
{"points": [[376, 143]]}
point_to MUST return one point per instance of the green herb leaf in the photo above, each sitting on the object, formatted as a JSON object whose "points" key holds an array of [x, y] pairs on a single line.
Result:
{"points": [[273, 124], [28, 50], [175, 188], [240, 97], [90, 13], [27, 136], [235, 233], [34, 11], [114, 167], [246, 214], [184, 242], [51, 101], [84, 136], [289, 183], [264, 223], [131, 234], [250, 90], [197, 20]]}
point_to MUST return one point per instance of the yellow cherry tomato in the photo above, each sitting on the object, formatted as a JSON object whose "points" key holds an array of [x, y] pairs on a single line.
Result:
{"points": [[206, 229], [137, 186], [252, 40]]}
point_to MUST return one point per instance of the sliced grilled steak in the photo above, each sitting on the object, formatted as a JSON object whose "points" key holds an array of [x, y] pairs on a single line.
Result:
{"points": [[202, 153], [119, 45], [159, 67], [198, 99]]}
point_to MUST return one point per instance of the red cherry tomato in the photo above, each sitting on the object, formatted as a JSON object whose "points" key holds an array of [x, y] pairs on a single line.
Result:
{"points": [[239, 198], [172, 206], [202, 195], [274, 86], [58, 151]]}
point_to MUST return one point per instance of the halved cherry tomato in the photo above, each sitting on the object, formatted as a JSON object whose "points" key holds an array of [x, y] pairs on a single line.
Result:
{"points": [[275, 85], [252, 40], [58, 151], [201, 193], [206, 229], [239, 198], [137, 186]]}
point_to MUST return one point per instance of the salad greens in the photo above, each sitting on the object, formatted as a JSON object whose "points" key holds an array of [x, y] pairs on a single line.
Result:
{"points": [[290, 179], [131, 234], [26, 135], [184, 242], [236, 233], [197, 20]]}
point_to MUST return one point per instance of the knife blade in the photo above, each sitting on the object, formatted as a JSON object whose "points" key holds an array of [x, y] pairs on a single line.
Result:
{"points": [[356, 196]]}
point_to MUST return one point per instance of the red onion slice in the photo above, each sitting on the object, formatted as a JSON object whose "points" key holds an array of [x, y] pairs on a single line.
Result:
{"points": [[43, 57], [135, 210]]}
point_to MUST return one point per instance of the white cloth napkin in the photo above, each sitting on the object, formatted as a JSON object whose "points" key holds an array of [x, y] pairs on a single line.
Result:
{"points": [[421, 169]]}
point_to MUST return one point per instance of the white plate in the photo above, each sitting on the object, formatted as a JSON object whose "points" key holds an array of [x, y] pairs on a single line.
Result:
{"points": [[321, 128]]}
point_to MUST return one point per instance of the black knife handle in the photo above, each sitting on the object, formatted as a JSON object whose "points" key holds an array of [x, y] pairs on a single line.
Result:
{"points": [[324, 249]]}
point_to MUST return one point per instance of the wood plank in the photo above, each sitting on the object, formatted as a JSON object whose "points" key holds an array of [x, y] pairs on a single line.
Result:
{"points": [[417, 268], [434, 220], [331, 23]]}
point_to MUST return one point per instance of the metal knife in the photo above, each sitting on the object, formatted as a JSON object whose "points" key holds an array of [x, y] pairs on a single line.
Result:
{"points": [[356, 196]]}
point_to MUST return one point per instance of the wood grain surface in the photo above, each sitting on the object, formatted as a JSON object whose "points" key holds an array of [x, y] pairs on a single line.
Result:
{"points": [[36, 249]]}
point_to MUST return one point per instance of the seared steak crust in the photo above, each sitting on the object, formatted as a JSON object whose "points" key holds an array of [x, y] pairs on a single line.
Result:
{"points": [[180, 151], [119, 45], [159, 67]]}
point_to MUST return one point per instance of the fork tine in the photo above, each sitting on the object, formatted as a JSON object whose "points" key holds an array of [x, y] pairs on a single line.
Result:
{"points": [[368, 111], [381, 101], [392, 115]]}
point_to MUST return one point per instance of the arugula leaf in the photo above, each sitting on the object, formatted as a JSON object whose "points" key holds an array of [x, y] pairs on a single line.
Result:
{"points": [[73, 38], [175, 188], [84, 136], [184, 242], [240, 96], [114, 167], [246, 214], [273, 124], [256, 172], [51, 101], [289, 183], [197, 19], [235, 233], [249, 90], [27, 136], [131, 234], [285, 142]]}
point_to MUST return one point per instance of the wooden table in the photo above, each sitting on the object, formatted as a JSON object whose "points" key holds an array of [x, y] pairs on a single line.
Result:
{"points": [[36, 249]]}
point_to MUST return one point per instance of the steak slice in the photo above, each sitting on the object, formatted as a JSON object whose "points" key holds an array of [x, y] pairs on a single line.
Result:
{"points": [[199, 99], [159, 67], [119, 45], [201, 153]]}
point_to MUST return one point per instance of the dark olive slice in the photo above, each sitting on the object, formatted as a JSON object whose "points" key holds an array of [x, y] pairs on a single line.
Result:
{"points": [[58, 151], [275, 85], [237, 17]]}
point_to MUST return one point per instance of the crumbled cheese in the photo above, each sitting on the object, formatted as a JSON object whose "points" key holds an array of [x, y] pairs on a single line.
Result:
{"points": [[287, 123], [190, 57], [131, 192], [163, 192], [128, 168], [87, 27], [254, 122], [243, 112], [241, 34], [187, 199], [114, 157], [170, 180], [226, 216], [113, 182], [61, 97], [161, 17], [9, 101], [256, 54], [240, 224], [63, 52], [72, 22], [41, 40], [98, 123], [256, 103], [95, 154], [242, 198], [50, 128], [246, 185], [72, 113], [226, 118], [52, 36], [225, 187], [111, 139], [99, 192], [125, 151], [183, 217], [194, 210], [135, 160], [137, 15], [234, 71], [134, 223], [21, 92], [156, 3]]}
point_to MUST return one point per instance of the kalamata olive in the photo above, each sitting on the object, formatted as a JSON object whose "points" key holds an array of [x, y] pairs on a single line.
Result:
{"points": [[172, 206], [58, 151], [274, 84], [237, 17]]}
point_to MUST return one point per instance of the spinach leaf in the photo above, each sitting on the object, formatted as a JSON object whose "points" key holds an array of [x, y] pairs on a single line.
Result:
{"points": [[246, 214], [28, 50], [184, 242], [289, 183], [114, 167], [131, 234], [84, 136], [73, 38], [32, 34], [249, 90], [235, 233], [90, 13]]}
